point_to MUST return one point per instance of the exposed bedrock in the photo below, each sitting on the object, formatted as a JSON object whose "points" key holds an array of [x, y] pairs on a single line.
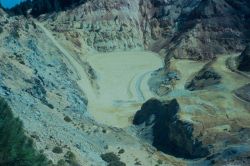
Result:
{"points": [[244, 60], [167, 132], [244, 92], [206, 77], [213, 27], [184, 29]]}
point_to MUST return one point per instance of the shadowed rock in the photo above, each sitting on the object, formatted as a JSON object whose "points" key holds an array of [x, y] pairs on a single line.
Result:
{"points": [[244, 60], [244, 92], [168, 133], [204, 78]]}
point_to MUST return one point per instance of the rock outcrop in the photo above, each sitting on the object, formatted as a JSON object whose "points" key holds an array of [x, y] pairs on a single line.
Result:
{"points": [[105, 25], [187, 29], [244, 93], [244, 60], [187, 131], [212, 27], [191, 29], [206, 77], [169, 133]]}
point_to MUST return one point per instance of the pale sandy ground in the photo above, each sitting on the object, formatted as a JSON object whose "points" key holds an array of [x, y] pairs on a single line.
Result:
{"points": [[122, 77], [220, 99], [186, 68]]}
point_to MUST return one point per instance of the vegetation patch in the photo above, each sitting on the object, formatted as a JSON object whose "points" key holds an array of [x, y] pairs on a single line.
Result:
{"points": [[121, 151], [112, 159], [117, 163], [16, 149], [39, 7], [57, 149], [69, 160], [67, 119]]}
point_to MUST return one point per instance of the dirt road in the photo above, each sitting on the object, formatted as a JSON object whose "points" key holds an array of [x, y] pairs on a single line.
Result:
{"points": [[83, 81]]}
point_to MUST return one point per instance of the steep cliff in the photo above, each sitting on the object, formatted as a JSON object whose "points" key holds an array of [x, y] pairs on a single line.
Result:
{"points": [[213, 27], [104, 25], [191, 29]]}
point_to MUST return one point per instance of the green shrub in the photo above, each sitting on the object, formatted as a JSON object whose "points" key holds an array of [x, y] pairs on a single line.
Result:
{"points": [[26, 26], [121, 151], [1, 29], [61, 163], [71, 159], [14, 33], [117, 163], [67, 119], [70, 155], [160, 162], [112, 159], [57, 149]]}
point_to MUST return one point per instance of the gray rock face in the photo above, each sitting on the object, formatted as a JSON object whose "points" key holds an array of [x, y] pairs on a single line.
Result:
{"points": [[190, 29], [169, 134], [106, 25], [244, 60]]}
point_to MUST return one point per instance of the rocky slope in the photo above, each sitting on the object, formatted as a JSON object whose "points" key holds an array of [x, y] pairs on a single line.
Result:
{"points": [[198, 30], [212, 27], [43, 71], [212, 115], [169, 127], [41, 82], [104, 25]]}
